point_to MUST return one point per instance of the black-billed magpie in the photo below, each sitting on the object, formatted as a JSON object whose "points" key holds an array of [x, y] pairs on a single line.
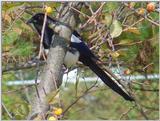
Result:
{"points": [[78, 51]]}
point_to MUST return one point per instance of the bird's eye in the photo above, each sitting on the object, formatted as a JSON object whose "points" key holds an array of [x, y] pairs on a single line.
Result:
{"points": [[35, 21]]}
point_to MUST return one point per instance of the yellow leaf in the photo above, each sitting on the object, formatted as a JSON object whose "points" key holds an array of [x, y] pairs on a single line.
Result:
{"points": [[48, 9], [58, 111], [7, 18], [122, 52], [7, 47], [141, 11], [133, 30], [131, 4], [123, 42], [107, 19], [114, 54], [52, 118]]}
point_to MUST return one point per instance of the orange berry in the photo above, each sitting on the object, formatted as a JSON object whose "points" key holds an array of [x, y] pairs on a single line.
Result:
{"points": [[127, 71], [151, 7]]}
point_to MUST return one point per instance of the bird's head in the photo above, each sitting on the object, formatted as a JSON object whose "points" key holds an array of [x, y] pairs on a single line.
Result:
{"points": [[36, 22], [38, 19]]}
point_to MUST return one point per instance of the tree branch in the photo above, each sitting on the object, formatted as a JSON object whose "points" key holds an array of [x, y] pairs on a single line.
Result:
{"points": [[8, 113], [51, 75]]}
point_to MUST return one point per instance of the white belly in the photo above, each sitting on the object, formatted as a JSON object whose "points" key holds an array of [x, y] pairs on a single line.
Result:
{"points": [[71, 59]]}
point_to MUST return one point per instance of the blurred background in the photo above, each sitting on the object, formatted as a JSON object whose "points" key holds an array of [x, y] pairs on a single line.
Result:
{"points": [[131, 52]]}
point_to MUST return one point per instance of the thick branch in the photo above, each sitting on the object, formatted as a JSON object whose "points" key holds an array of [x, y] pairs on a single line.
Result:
{"points": [[51, 74]]}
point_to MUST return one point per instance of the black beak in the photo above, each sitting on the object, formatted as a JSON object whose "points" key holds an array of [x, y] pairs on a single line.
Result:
{"points": [[29, 21]]}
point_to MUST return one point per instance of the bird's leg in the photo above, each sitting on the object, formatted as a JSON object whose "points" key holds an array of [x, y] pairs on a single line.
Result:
{"points": [[65, 69]]}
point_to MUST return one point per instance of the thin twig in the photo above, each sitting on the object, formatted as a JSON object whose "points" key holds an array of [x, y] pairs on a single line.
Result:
{"points": [[144, 16], [94, 15], [85, 15], [147, 66], [125, 113], [31, 7], [5, 108], [42, 35], [139, 107], [141, 110], [90, 8], [19, 15], [133, 24], [151, 108], [20, 89], [150, 90], [153, 22], [129, 44], [27, 65], [79, 98]]}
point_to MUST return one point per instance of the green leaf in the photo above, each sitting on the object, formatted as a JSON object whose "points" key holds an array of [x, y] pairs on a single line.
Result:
{"points": [[10, 37], [145, 30], [11, 6], [9, 76], [95, 5], [23, 109], [18, 117], [110, 6], [116, 29], [22, 48], [107, 19]]}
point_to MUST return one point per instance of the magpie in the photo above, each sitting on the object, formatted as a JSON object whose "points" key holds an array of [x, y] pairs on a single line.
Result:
{"points": [[78, 51]]}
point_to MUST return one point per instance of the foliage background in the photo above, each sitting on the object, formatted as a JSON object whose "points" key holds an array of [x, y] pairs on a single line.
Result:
{"points": [[136, 47]]}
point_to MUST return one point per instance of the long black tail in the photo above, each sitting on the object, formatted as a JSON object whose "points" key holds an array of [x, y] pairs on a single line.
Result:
{"points": [[110, 82]]}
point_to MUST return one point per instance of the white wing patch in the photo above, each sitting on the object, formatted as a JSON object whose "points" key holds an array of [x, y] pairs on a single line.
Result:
{"points": [[75, 39]]}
